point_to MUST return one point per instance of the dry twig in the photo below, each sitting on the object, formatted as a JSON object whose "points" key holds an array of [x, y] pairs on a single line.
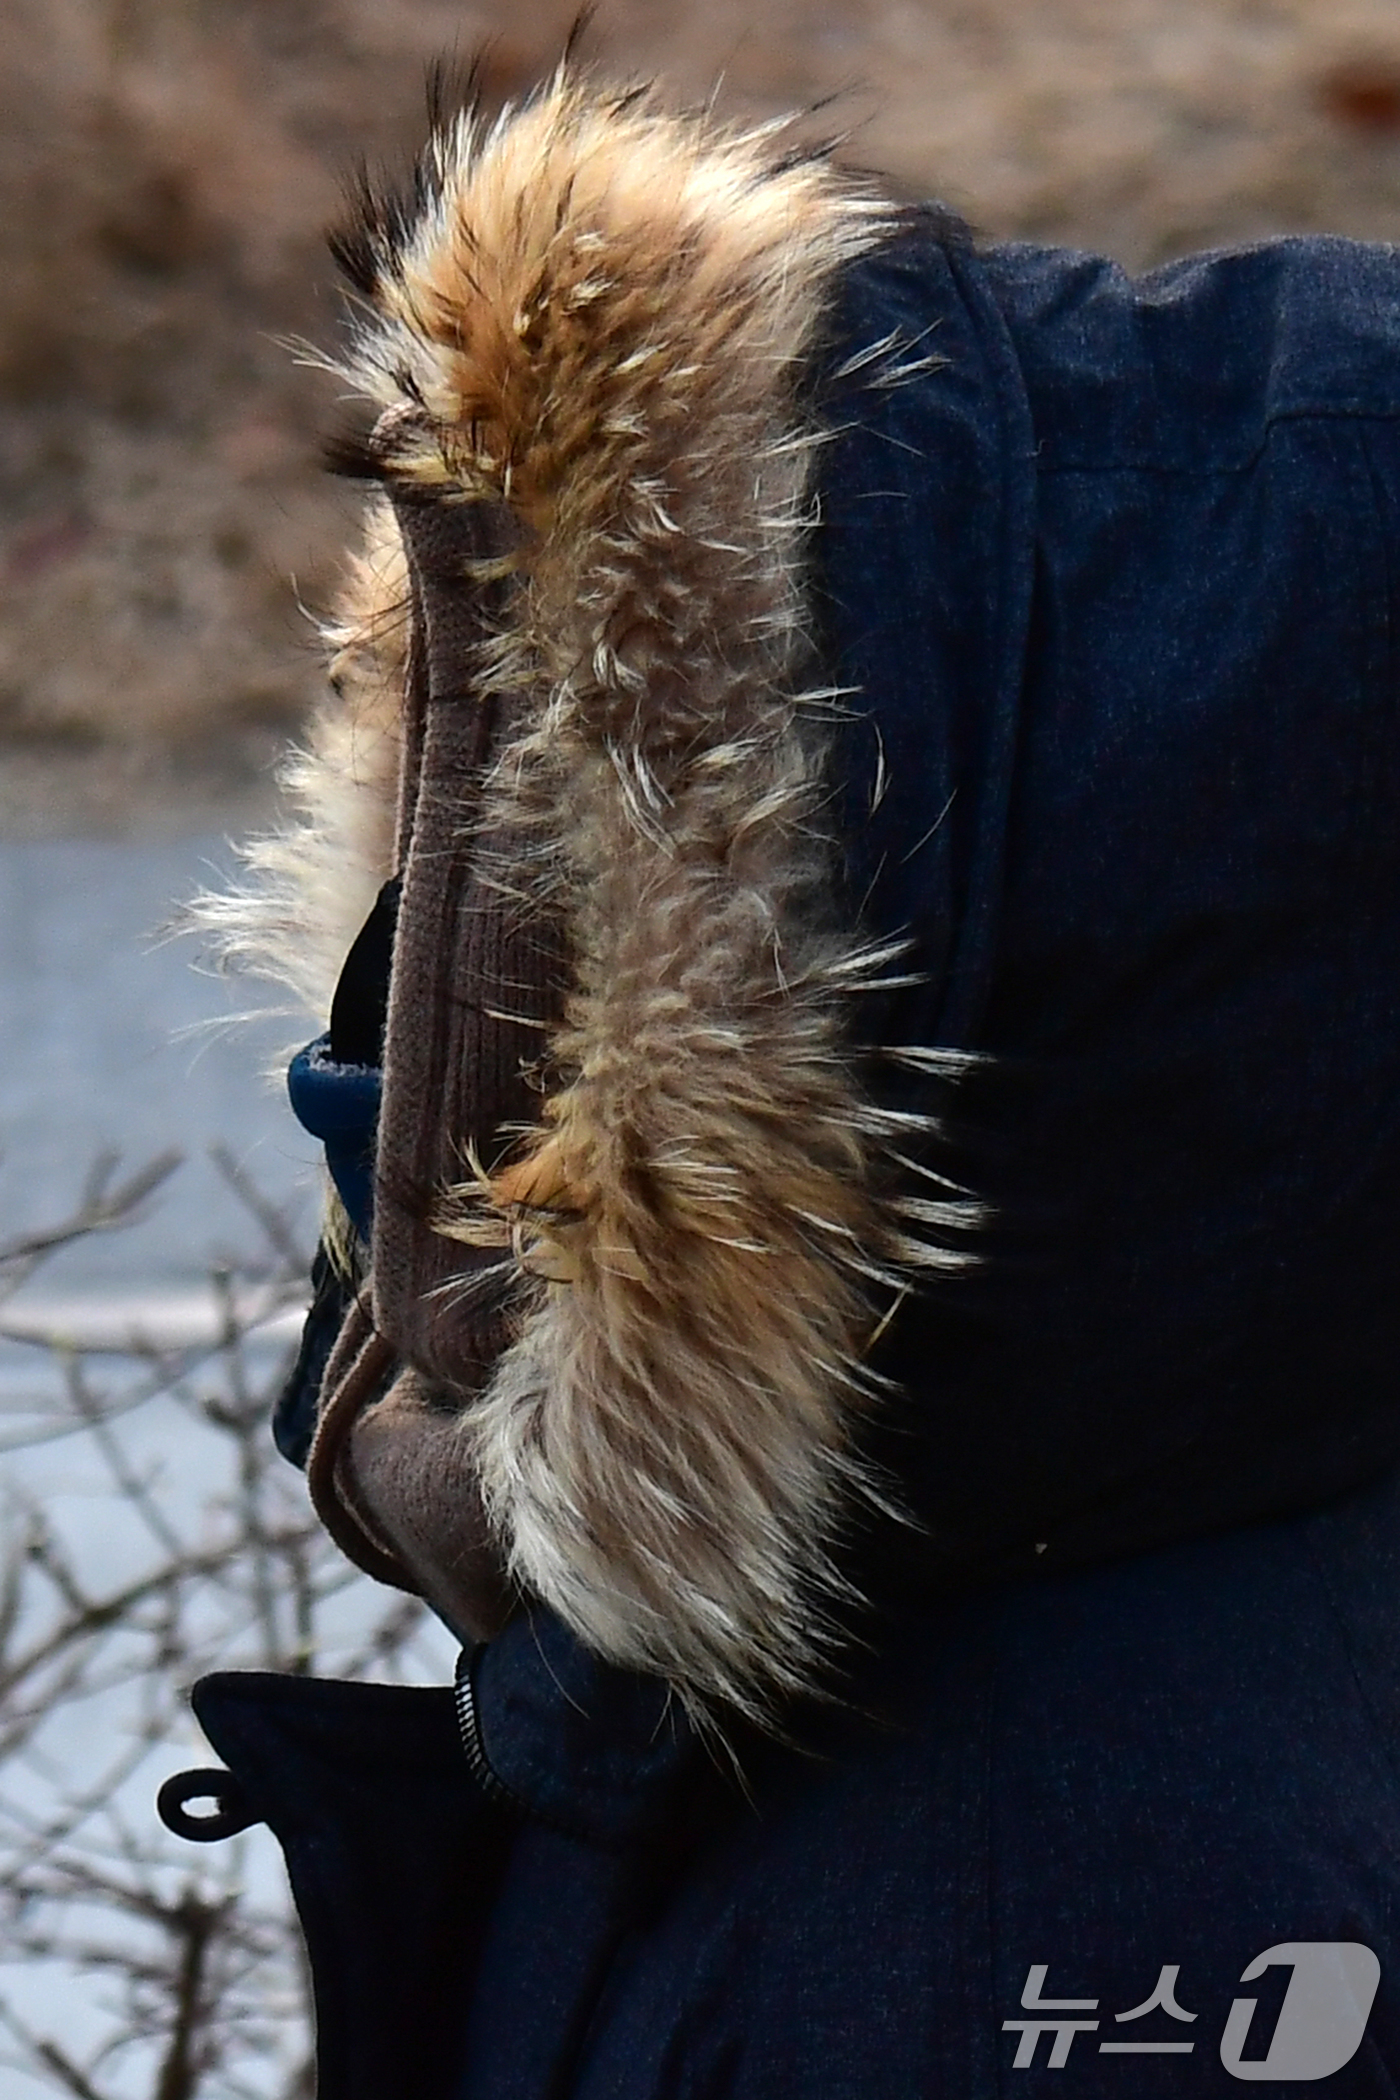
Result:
{"points": [[133, 1969]]}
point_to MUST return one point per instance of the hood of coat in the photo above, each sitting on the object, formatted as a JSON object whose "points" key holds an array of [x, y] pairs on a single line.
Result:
{"points": [[785, 476], [623, 328]]}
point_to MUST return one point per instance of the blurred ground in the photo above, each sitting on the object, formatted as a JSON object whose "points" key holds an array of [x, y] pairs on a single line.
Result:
{"points": [[166, 171]]}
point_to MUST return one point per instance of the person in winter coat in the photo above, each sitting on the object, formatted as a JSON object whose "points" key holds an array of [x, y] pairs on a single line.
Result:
{"points": [[861, 797]]}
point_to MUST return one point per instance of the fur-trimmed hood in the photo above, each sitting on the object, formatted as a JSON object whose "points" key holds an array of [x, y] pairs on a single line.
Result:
{"points": [[604, 317], [1117, 589]]}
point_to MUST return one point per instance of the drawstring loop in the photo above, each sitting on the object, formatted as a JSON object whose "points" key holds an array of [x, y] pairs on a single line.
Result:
{"points": [[232, 1809]]}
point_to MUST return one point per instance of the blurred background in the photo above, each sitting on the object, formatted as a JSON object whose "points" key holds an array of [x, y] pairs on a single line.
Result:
{"points": [[167, 169]]}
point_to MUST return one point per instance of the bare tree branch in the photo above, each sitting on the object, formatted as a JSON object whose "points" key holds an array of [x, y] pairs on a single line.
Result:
{"points": [[103, 1208], [190, 1547]]}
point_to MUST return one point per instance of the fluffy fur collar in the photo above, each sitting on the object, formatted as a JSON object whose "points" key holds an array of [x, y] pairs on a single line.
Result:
{"points": [[603, 313]]}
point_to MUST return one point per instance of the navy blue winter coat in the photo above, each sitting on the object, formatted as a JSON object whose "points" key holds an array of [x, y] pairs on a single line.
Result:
{"points": [[1117, 586]]}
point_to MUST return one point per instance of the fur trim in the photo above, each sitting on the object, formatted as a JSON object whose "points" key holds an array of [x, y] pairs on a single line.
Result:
{"points": [[310, 884], [601, 313]]}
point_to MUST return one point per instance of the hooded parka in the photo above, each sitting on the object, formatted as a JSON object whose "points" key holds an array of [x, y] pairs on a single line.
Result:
{"points": [[1085, 1773]]}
